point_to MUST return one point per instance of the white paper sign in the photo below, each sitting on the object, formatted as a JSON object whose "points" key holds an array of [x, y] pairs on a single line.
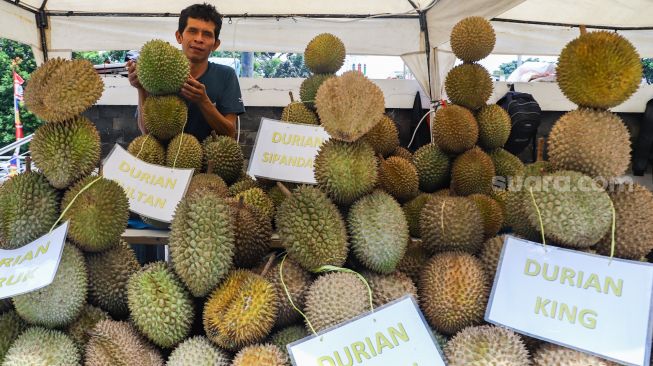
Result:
{"points": [[32, 266], [578, 300], [395, 334], [153, 190], [286, 151]]}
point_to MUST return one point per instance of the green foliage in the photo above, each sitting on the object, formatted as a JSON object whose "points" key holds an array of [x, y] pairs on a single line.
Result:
{"points": [[100, 57], [647, 64], [508, 67], [273, 65]]}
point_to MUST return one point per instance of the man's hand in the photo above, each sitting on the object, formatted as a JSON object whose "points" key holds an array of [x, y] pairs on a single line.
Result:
{"points": [[194, 91], [133, 77]]}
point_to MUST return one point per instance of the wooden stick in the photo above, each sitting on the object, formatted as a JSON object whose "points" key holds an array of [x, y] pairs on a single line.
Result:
{"points": [[268, 265], [284, 190], [292, 97], [540, 149]]}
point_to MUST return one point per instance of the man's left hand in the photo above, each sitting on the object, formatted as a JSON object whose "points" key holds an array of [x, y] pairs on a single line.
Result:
{"points": [[194, 91]]}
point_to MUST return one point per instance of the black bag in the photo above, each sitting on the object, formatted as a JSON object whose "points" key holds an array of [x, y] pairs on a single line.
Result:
{"points": [[642, 148], [525, 115]]}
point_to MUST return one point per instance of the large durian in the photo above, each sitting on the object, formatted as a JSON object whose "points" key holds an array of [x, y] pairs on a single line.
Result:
{"points": [[384, 137], [491, 254], [334, 298], [599, 70], [389, 287], [413, 261], [252, 233], [198, 351], [324, 54], [11, 326], [39, 346], [494, 125], [164, 116], [349, 106], [258, 355], [202, 241], [398, 177], [118, 343], [454, 129], [67, 151], [433, 167], [472, 39], [259, 201], [550, 354], [148, 149], [506, 164], [207, 181], [345, 171], [296, 280], [473, 172], [604, 152], [308, 89], [184, 151], [61, 89], [491, 213], [288, 335], [298, 112], [162, 68], [451, 223], [402, 152], [488, 345], [412, 211], [226, 156], [469, 85], [79, 330]]}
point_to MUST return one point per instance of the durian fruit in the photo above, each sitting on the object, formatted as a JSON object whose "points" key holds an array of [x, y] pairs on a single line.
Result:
{"points": [[472, 39], [412, 211], [453, 291], [118, 343], [473, 172], [98, 215], [324, 54], [506, 164], [162, 68], [398, 177], [346, 171], [164, 116], [413, 261], [440, 339], [451, 223], [389, 287], [184, 152], [402, 152], [309, 87], [243, 183], [550, 354], [490, 255], [159, 305], [208, 181], [296, 280], [258, 355], [454, 129], [538, 168], [469, 85], [5, 305], [603, 152], [384, 137], [288, 335], [148, 149], [79, 330], [202, 241], [259, 200], [599, 70], [487, 345], [11, 326], [298, 112], [334, 298], [241, 310], [311, 229], [39, 346], [252, 231], [491, 213], [378, 232], [633, 205], [226, 155], [277, 196], [494, 125], [433, 168], [198, 351], [59, 303], [62, 89], [108, 274], [28, 209], [349, 106], [67, 151]]}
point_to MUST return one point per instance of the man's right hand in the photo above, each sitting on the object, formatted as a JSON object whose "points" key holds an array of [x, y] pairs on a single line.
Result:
{"points": [[133, 77]]}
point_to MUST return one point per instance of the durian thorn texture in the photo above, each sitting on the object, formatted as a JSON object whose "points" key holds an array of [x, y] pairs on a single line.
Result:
{"points": [[330, 268], [288, 295], [284, 190], [63, 213]]}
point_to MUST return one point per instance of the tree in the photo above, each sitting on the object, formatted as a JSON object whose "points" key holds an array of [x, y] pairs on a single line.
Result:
{"points": [[99, 57], [508, 67], [647, 65]]}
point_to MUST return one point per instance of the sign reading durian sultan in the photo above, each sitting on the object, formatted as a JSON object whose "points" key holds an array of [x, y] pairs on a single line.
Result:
{"points": [[153, 190], [394, 334], [578, 300], [31, 266], [286, 151]]}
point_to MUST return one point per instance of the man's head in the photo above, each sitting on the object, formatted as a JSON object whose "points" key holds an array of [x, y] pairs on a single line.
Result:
{"points": [[199, 30]]}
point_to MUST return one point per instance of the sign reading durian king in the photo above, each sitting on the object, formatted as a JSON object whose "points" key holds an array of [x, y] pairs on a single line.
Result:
{"points": [[578, 300], [286, 151], [395, 334], [153, 190], [32, 266]]}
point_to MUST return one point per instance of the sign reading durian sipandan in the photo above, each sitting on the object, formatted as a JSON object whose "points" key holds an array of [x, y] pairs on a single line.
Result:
{"points": [[579, 300], [394, 334], [153, 190], [32, 266], [286, 151]]}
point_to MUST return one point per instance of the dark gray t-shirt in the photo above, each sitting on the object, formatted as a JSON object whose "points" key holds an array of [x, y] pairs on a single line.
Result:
{"points": [[224, 91]]}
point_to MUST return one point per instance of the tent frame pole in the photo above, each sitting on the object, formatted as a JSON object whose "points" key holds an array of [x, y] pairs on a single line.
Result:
{"points": [[567, 25]]}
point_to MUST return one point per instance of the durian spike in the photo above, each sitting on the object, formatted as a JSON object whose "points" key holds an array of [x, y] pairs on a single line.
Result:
{"points": [[292, 98], [268, 265], [28, 164], [583, 29], [540, 149], [209, 167], [284, 190]]}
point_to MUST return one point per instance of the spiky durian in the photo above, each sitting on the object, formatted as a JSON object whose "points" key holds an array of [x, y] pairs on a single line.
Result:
{"points": [[324, 54], [384, 137], [308, 89], [472, 39], [184, 151], [433, 167], [494, 125], [162, 68], [454, 129], [267, 354], [469, 85], [487, 345], [39, 346], [148, 149], [118, 343], [226, 156], [198, 351], [473, 172], [398, 177], [298, 112], [451, 223], [164, 116]]}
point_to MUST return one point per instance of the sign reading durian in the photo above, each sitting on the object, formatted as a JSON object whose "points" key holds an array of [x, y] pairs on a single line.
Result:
{"points": [[32, 266], [578, 300], [286, 151], [153, 190], [394, 334]]}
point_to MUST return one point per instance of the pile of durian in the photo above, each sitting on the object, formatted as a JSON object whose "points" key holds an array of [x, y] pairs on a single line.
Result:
{"points": [[223, 299]]}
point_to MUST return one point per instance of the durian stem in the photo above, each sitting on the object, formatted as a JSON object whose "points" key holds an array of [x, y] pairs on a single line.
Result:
{"points": [[540, 149], [28, 164], [284, 190], [73, 201], [266, 269], [285, 288], [583, 29], [292, 97], [539, 217]]}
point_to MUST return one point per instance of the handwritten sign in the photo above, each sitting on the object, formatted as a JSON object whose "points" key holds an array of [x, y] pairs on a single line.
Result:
{"points": [[286, 151], [394, 334], [153, 190], [32, 266], [575, 299]]}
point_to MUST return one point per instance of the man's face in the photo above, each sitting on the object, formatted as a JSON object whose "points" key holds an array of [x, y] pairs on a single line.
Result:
{"points": [[198, 40]]}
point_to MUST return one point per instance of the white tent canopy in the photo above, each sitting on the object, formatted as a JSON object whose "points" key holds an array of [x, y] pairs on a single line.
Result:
{"points": [[370, 27]]}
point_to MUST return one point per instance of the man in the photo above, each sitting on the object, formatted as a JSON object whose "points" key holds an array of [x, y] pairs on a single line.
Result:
{"points": [[212, 91]]}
